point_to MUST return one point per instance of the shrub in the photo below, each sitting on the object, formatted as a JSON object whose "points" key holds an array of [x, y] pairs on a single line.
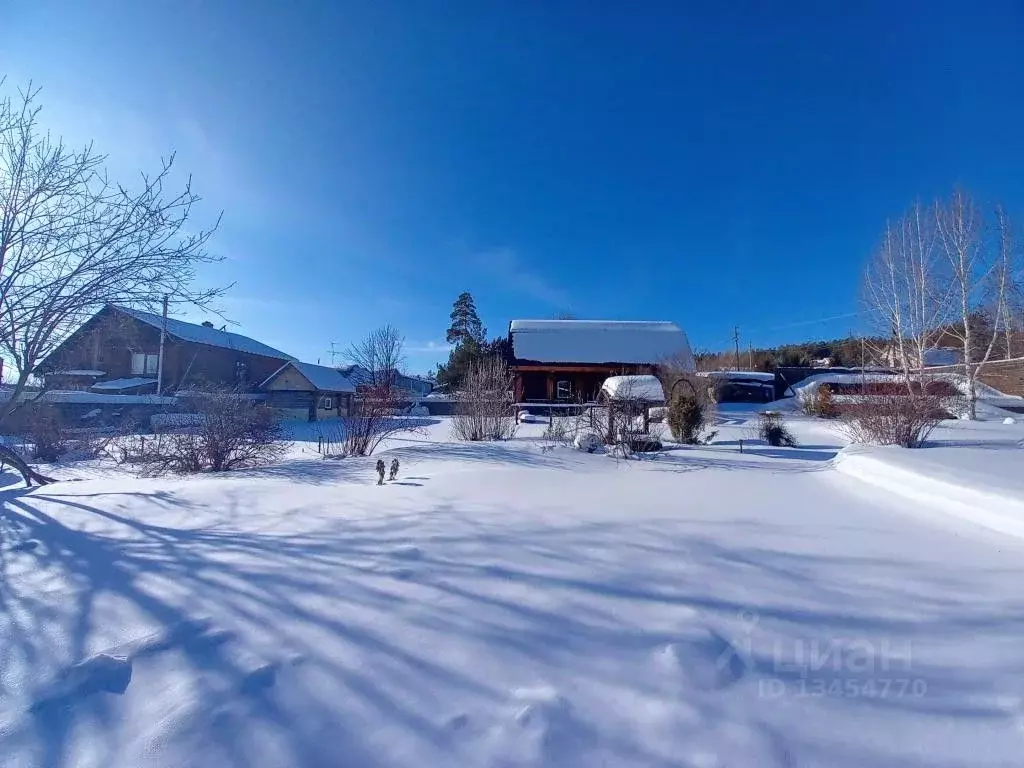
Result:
{"points": [[897, 419], [485, 410], [771, 429], [688, 420], [821, 404], [229, 432], [43, 426]]}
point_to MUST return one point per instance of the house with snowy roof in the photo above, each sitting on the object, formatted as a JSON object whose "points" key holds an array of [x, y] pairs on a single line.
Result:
{"points": [[118, 351], [568, 360], [307, 391]]}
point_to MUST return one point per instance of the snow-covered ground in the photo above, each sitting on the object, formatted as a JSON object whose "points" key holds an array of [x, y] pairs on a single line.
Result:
{"points": [[515, 604]]}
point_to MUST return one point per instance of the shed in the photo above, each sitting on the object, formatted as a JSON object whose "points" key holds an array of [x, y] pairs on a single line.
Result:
{"points": [[307, 391]]}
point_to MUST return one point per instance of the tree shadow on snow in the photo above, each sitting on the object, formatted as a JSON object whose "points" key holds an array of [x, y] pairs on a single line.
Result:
{"points": [[556, 596]]}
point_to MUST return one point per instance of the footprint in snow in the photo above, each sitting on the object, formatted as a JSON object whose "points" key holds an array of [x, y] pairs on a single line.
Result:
{"points": [[260, 679], [96, 674], [704, 660], [407, 552]]}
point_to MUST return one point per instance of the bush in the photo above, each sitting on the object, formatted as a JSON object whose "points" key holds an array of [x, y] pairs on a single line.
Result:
{"points": [[688, 420], [822, 404], [485, 410], [230, 432], [897, 419], [43, 426], [771, 429]]}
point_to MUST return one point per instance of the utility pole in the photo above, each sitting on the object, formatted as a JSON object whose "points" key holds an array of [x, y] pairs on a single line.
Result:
{"points": [[750, 356], [160, 359], [736, 341]]}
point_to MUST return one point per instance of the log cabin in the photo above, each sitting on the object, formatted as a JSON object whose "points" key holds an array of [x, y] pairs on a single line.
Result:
{"points": [[307, 391], [566, 361], [117, 351]]}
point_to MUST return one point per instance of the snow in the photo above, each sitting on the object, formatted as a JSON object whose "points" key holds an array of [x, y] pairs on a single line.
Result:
{"points": [[82, 396], [79, 372], [120, 384], [322, 377], [599, 341], [200, 334], [503, 604], [741, 375], [942, 356], [646, 388]]}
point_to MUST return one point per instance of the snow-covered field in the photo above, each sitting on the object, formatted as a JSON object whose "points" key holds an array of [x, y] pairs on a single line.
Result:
{"points": [[510, 605]]}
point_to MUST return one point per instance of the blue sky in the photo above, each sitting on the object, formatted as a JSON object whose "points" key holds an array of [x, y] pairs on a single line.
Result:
{"points": [[717, 164]]}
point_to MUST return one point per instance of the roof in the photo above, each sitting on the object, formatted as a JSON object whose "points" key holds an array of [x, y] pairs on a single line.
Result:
{"points": [[320, 376], [599, 341], [119, 384], [80, 372], [646, 388], [739, 375], [942, 356], [200, 334]]}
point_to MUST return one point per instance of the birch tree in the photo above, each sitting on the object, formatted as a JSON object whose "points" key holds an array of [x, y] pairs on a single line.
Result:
{"points": [[978, 266], [903, 289]]}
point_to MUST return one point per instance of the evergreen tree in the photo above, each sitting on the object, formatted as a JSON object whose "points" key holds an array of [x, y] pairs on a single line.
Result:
{"points": [[465, 322]]}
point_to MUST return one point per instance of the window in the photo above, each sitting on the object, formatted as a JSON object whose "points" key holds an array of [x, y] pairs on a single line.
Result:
{"points": [[563, 390], [241, 371], [142, 363], [327, 403]]}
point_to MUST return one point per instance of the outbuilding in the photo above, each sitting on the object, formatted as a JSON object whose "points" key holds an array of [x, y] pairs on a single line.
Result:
{"points": [[307, 391], [565, 361]]}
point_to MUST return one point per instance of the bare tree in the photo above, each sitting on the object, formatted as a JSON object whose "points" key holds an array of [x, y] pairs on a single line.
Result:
{"points": [[903, 290], [946, 274], [1010, 306], [979, 273], [73, 240], [485, 410], [380, 356]]}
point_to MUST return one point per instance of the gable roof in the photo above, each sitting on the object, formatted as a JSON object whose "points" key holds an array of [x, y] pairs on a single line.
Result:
{"points": [[320, 376], [200, 334], [598, 341]]}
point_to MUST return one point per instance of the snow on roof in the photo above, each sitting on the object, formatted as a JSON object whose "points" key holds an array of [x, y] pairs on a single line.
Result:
{"points": [[212, 337], [599, 341], [96, 398], [79, 372], [119, 384], [942, 356], [322, 377], [634, 388], [739, 375]]}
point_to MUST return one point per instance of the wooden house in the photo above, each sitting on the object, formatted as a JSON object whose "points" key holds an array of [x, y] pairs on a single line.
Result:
{"points": [[307, 391], [410, 387], [117, 351], [563, 361]]}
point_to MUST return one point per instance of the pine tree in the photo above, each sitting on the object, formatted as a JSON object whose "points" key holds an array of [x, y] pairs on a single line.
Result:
{"points": [[465, 325]]}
